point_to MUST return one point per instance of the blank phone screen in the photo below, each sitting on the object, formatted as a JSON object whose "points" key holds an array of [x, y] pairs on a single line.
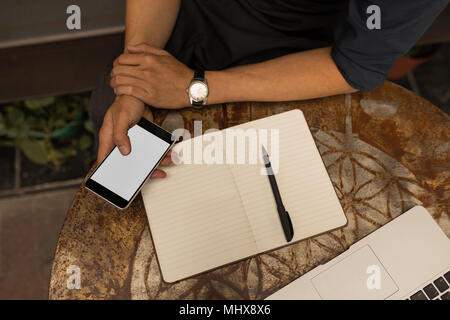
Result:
{"points": [[123, 175]]}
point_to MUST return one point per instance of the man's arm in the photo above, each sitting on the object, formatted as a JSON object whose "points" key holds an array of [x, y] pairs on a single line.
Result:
{"points": [[157, 78], [150, 22], [298, 76]]}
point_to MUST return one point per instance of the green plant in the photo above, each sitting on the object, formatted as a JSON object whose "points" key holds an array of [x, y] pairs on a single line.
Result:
{"points": [[47, 130]]}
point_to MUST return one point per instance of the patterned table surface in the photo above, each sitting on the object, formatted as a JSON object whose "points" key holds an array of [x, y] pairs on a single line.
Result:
{"points": [[385, 151]]}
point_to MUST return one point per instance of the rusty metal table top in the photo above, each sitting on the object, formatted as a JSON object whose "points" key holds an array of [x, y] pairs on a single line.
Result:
{"points": [[385, 151]]}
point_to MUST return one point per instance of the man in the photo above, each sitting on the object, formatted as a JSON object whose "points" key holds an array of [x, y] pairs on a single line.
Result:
{"points": [[250, 50]]}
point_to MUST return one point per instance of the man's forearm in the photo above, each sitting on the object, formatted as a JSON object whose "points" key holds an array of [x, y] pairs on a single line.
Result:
{"points": [[298, 76], [150, 21]]}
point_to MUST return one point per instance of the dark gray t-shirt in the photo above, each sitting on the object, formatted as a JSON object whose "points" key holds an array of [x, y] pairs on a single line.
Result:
{"points": [[217, 34]]}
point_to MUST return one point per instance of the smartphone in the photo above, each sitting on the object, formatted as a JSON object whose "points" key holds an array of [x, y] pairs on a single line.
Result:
{"points": [[118, 179]]}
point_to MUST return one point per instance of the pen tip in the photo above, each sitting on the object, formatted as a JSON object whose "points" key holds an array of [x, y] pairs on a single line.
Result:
{"points": [[265, 156]]}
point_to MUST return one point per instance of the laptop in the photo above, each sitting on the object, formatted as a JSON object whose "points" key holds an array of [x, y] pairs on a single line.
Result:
{"points": [[408, 258]]}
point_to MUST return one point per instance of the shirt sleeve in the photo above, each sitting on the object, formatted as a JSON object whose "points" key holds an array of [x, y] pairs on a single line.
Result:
{"points": [[365, 56]]}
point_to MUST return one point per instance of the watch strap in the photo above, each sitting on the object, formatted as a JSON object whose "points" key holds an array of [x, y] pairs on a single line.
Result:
{"points": [[199, 75]]}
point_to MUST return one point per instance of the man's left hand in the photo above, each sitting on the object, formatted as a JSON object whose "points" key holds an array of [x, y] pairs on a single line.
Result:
{"points": [[153, 76]]}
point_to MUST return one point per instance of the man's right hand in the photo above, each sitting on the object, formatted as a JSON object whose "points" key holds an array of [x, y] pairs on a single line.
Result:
{"points": [[124, 113]]}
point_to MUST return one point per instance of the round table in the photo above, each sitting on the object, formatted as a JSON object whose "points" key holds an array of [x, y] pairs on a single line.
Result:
{"points": [[385, 151]]}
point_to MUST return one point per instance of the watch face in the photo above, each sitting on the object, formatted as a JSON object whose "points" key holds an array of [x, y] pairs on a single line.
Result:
{"points": [[198, 91]]}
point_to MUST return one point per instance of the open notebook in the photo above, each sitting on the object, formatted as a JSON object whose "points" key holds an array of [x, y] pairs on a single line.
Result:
{"points": [[205, 216]]}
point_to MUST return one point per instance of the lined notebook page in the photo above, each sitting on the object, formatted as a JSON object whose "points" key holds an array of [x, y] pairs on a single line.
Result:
{"points": [[204, 216], [197, 220], [306, 190]]}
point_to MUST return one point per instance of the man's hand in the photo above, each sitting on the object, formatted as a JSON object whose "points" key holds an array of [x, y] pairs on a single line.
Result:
{"points": [[124, 113], [153, 76]]}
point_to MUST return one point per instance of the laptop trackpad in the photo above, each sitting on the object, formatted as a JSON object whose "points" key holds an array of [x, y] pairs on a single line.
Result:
{"points": [[359, 276]]}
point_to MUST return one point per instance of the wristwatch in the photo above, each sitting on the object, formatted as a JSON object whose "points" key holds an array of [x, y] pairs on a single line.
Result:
{"points": [[198, 90]]}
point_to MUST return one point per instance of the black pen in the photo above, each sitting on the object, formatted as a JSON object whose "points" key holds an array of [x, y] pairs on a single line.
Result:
{"points": [[282, 213]]}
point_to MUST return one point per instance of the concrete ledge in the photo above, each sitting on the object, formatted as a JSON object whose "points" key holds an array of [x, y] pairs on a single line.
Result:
{"points": [[55, 68]]}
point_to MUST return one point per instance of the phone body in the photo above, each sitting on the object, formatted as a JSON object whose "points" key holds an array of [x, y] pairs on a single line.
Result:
{"points": [[118, 179]]}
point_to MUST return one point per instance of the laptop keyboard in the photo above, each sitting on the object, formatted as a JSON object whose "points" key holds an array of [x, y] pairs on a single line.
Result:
{"points": [[435, 290]]}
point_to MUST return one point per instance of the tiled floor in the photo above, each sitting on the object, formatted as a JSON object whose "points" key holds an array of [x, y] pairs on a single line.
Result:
{"points": [[29, 228]]}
